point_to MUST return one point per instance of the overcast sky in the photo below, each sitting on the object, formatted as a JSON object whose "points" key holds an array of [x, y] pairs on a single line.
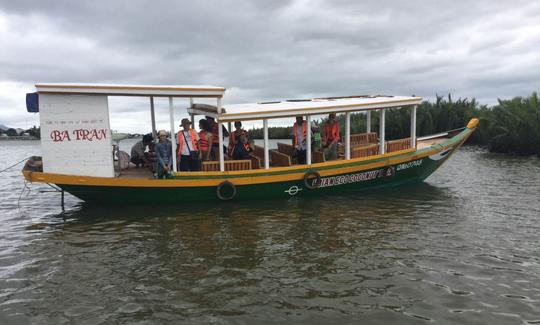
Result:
{"points": [[267, 50]]}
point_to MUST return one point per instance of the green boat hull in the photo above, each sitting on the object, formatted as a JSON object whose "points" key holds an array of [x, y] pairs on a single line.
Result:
{"points": [[412, 166]]}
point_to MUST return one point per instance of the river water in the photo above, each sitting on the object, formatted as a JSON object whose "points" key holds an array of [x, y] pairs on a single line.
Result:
{"points": [[461, 248]]}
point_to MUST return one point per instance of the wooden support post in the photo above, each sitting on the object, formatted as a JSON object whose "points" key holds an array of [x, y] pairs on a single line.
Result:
{"points": [[348, 135], [368, 122], [192, 115], [381, 132], [220, 133], [413, 127], [266, 149], [153, 117], [173, 134], [308, 140]]}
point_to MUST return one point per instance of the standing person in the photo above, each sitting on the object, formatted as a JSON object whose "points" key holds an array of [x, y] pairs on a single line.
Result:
{"points": [[299, 138], [215, 137], [205, 140], [316, 137], [152, 157], [138, 154], [331, 136], [164, 155], [239, 147], [188, 148]]}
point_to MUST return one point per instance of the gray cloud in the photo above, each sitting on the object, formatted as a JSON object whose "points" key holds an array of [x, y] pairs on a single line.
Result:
{"points": [[264, 50]]}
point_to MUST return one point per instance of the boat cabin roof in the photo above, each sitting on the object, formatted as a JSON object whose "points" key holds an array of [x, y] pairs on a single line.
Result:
{"points": [[315, 106], [130, 90]]}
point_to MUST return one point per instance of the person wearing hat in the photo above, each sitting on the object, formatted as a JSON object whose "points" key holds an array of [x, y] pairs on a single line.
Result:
{"points": [[164, 155], [188, 152], [330, 136]]}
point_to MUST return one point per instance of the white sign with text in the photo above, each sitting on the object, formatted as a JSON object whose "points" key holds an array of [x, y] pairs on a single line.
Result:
{"points": [[76, 135]]}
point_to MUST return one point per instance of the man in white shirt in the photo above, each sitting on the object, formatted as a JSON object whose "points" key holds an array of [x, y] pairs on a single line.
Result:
{"points": [[188, 152]]}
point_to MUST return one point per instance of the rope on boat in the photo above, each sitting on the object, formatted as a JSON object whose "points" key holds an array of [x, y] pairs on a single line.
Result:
{"points": [[25, 159]]}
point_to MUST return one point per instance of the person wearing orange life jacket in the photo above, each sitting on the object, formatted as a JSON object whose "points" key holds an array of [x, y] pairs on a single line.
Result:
{"points": [[205, 140], [239, 147], [299, 139], [215, 137], [188, 148], [331, 137]]}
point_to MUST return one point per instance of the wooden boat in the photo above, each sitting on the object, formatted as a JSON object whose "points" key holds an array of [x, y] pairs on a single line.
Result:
{"points": [[77, 156]]}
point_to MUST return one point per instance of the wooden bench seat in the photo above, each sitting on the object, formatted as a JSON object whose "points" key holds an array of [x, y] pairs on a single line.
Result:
{"points": [[279, 159], [365, 151], [363, 139], [208, 166], [317, 157], [258, 151], [286, 149], [396, 145]]}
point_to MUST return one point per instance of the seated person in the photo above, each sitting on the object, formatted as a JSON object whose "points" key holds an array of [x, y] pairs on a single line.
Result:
{"points": [[239, 146], [138, 151], [164, 155]]}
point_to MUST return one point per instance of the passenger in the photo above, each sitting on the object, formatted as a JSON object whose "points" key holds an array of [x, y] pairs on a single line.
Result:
{"points": [[215, 137], [316, 137], [152, 157], [138, 156], [299, 136], [188, 153], [164, 155], [331, 137], [205, 140], [239, 147]]}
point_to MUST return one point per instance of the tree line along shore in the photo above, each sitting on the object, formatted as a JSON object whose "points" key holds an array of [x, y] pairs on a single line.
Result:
{"points": [[511, 127]]}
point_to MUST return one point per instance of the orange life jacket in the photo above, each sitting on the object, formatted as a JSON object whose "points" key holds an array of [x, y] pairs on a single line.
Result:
{"points": [[215, 133], [203, 143], [304, 132], [233, 140], [181, 141], [331, 132]]}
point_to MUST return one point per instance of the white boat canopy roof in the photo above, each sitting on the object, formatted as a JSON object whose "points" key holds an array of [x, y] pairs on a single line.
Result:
{"points": [[316, 106], [131, 90]]}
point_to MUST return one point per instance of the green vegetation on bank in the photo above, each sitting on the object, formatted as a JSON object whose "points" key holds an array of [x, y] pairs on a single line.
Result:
{"points": [[511, 127]]}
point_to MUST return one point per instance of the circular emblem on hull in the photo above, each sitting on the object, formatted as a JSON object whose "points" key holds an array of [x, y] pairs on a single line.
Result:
{"points": [[293, 190]]}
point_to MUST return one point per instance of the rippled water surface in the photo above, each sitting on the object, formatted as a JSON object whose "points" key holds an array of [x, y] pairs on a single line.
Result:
{"points": [[463, 247]]}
